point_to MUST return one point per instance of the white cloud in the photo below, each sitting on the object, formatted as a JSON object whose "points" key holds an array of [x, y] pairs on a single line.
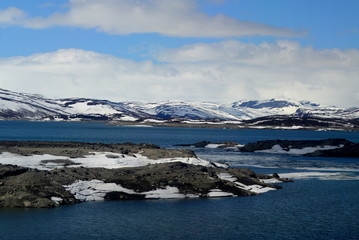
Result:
{"points": [[224, 71], [11, 16], [178, 18], [281, 53]]}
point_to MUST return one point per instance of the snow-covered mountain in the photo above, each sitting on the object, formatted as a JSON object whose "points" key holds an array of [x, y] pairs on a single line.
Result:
{"points": [[251, 112]]}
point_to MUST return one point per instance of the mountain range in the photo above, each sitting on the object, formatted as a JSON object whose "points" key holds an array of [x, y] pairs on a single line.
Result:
{"points": [[272, 113]]}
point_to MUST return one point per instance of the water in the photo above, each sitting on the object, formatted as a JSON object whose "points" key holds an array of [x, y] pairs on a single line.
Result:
{"points": [[310, 208], [163, 136]]}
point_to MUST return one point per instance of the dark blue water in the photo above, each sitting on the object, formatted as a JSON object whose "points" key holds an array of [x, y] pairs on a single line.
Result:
{"points": [[308, 208], [163, 136]]}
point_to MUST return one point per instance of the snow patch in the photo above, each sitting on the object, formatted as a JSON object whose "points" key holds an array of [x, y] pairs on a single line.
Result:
{"points": [[213, 145], [226, 177], [167, 193], [128, 119], [57, 200], [96, 190], [219, 193], [270, 180], [252, 188], [96, 160], [33, 161]]}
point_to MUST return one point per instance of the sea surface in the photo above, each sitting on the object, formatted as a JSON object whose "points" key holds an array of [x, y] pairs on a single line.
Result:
{"points": [[322, 203]]}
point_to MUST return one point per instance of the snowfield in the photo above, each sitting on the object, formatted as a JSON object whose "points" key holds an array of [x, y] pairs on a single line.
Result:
{"points": [[96, 160]]}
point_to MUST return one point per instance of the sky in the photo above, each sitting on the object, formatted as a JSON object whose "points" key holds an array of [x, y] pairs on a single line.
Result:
{"points": [[191, 50]]}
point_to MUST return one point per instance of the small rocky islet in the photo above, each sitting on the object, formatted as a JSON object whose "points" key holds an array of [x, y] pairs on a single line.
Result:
{"points": [[50, 174], [314, 148]]}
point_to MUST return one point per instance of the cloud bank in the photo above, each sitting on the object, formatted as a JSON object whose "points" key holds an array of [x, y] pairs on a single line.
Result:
{"points": [[224, 71], [176, 18]]}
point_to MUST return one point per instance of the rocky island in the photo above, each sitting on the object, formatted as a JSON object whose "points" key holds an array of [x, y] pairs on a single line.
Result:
{"points": [[314, 148], [50, 174]]}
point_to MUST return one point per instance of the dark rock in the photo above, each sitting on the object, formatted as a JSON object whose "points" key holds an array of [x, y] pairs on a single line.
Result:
{"points": [[275, 175], [295, 144], [201, 144], [123, 196], [11, 170], [350, 150]]}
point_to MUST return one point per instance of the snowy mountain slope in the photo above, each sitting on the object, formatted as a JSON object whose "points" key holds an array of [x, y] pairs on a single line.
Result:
{"points": [[183, 110], [19, 105], [271, 112], [263, 108]]}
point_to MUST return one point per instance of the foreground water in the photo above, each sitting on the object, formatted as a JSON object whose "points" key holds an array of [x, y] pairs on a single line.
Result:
{"points": [[324, 205]]}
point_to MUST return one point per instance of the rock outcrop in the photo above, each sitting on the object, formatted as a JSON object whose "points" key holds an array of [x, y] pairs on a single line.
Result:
{"points": [[318, 148], [207, 144], [68, 183]]}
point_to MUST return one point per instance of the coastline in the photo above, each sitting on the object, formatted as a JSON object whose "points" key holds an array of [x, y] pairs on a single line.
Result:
{"points": [[193, 124]]}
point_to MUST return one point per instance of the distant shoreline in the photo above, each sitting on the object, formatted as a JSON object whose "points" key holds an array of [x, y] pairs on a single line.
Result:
{"points": [[227, 126], [214, 125]]}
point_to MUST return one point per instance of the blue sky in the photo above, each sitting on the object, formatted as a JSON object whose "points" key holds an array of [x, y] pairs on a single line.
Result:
{"points": [[204, 50]]}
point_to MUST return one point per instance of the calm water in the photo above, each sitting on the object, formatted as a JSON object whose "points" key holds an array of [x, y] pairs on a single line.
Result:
{"points": [[310, 208]]}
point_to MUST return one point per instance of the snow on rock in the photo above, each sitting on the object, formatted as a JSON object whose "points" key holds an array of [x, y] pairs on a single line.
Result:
{"points": [[227, 177], [192, 161], [320, 175], [95, 160], [270, 180], [252, 188], [213, 145], [57, 200], [297, 151], [128, 119], [167, 193], [96, 190], [33, 161], [219, 193], [32, 106], [88, 108]]}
